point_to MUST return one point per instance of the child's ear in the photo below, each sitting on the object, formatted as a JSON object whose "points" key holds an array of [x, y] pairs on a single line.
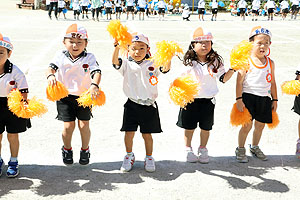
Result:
{"points": [[9, 54]]}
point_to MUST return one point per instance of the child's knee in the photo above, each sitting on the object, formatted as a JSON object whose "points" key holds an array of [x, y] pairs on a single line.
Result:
{"points": [[147, 136], [83, 125], [69, 126], [12, 137]]}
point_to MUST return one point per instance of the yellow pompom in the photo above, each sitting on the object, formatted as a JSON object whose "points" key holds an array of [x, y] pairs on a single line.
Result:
{"points": [[275, 120], [240, 54], [291, 87], [86, 99], [165, 51], [183, 90], [119, 33], [35, 107], [239, 118], [57, 91]]}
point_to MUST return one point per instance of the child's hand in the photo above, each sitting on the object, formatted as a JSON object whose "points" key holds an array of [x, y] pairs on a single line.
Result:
{"points": [[94, 91], [51, 80], [274, 105], [240, 105], [116, 43]]}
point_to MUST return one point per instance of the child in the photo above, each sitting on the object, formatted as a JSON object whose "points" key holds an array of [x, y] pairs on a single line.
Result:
{"points": [[53, 4], [242, 6], [254, 90], [295, 8], [142, 4], [255, 9], [161, 5], [214, 8], [130, 8], [140, 86], [118, 4], [296, 109], [108, 7], [271, 8], [96, 7], [201, 9], [207, 67], [76, 9], [186, 13], [78, 71], [11, 77], [84, 6], [61, 6], [284, 6]]}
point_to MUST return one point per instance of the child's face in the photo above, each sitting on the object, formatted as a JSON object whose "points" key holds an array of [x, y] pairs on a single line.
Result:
{"points": [[202, 48], [4, 55], [261, 45], [138, 50], [75, 46]]}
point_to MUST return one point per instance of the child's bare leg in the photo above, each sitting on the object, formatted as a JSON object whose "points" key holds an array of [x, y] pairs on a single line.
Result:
{"points": [[13, 140], [258, 128], [148, 143], [188, 135], [243, 134], [128, 139], [67, 134], [85, 132], [204, 135], [0, 142]]}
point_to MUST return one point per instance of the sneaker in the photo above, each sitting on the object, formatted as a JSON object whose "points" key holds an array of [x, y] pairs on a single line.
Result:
{"points": [[240, 154], [67, 156], [191, 157], [258, 153], [298, 149], [12, 170], [1, 166], [84, 157], [149, 164], [203, 155], [127, 163]]}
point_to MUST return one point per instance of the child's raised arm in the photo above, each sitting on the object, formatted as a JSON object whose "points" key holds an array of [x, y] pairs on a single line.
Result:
{"points": [[115, 57]]}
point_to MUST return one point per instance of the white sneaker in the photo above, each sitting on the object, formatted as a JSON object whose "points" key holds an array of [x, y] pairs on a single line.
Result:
{"points": [[191, 157], [127, 163], [203, 155], [149, 164]]}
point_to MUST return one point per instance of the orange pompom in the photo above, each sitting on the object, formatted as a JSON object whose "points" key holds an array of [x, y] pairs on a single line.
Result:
{"points": [[57, 91], [35, 107], [240, 54], [291, 87], [120, 33], [275, 120], [183, 90], [239, 118], [86, 99]]}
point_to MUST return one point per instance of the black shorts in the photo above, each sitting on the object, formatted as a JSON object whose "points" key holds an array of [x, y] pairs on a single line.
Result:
{"points": [[142, 10], [68, 110], [296, 107], [271, 10], [255, 12], [60, 10], [130, 9], [259, 107], [108, 11], [214, 11], [242, 10], [161, 10], [201, 11], [10, 122], [295, 8], [84, 8], [286, 10], [118, 9], [146, 117], [200, 111]]}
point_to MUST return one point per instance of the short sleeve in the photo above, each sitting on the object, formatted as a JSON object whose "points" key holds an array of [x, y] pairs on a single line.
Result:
{"points": [[93, 65], [54, 64], [20, 79], [124, 66], [221, 71]]}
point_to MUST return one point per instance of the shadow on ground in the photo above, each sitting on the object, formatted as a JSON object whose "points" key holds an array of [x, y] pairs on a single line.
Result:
{"points": [[46, 180]]}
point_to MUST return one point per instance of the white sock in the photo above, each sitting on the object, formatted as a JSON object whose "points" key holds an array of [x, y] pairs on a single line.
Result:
{"points": [[13, 159]]}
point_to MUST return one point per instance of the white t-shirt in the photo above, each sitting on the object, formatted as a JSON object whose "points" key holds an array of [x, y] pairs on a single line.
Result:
{"points": [[142, 3], [118, 3], [295, 2], [140, 81], [61, 3], [108, 4], [258, 79], [256, 4], [185, 13], [85, 2], [75, 5], [161, 4], [12, 78], [206, 78], [201, 4], [270, 4], [75, 74], [214, 5], [242, 4], [284, 5], [130, 2]]}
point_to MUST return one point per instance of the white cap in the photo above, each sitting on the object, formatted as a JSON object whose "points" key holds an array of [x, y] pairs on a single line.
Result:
{"points": [[139, 37], [75, 30], [5, 42], [201, 34], [259, 30]]}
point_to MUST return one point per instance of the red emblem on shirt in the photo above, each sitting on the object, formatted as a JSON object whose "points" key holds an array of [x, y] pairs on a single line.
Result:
{"points": [[12, 82], [85, 67], [153, 80], [269, 77]]}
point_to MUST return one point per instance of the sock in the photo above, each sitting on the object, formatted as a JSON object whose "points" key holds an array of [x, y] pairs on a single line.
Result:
{"points": [[13, 159], [148, 156], [202, 147], [188, 148], [67, 149], [130, 153], [85, 149], [254, 146]]}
